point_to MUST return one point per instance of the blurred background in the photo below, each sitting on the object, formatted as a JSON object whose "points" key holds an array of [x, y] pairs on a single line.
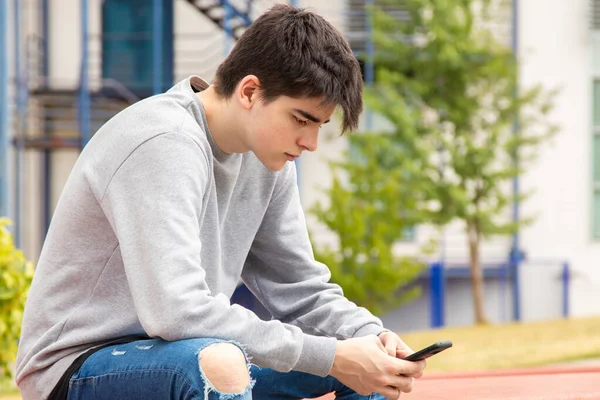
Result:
{"points": [[68, 66]]}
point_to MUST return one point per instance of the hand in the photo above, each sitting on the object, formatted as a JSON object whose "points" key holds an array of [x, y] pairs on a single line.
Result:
{"points": [[394, 346], [364, 365]]}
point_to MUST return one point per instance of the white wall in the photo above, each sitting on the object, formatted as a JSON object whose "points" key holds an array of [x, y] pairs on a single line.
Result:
{"points": [[199, 43], [64, 47], [555, 51]]}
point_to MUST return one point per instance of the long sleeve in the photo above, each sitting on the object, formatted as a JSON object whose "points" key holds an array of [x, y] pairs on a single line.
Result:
{"points": [[154, 204], [282, 272]]}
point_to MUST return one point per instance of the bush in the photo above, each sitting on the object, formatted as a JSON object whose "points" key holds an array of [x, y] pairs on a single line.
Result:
{"points": [[16, 274]]}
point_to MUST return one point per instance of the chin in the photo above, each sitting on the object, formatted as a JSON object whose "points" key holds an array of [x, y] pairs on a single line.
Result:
{"points": [[274, 165]]}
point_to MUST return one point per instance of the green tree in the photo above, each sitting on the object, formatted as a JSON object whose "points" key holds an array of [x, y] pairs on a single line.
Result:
{"points": [[462, 126], [368, 219], [15, 278]]}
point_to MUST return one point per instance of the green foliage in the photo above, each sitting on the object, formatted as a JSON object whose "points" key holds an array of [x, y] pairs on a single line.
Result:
{"points": [[15, 278], [451, 91], [463, 126], [462, 129], [368, 217]]}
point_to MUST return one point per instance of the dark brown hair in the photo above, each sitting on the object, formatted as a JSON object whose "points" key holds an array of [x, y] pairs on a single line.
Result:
{"points": [[296, 53]]}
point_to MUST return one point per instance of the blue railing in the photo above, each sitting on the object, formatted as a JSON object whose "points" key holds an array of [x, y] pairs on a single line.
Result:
{"points": [[4, 109], [438, 282], [438, 274], [157, 46], [84, 87]]}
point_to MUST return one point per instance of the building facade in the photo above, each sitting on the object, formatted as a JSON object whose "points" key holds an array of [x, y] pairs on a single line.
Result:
{"points": [[69, 60]]}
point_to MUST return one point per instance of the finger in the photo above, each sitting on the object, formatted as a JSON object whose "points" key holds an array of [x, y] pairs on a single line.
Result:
{"points": [[402, 383], [381, 346], [417, 371], [402, 344], [403, 352], [408, 368], [421, 366], [417, 375], [390, 348], [390, 392]]}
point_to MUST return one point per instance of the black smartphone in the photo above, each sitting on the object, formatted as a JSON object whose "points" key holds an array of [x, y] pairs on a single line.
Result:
{"points": [[429, 351]]}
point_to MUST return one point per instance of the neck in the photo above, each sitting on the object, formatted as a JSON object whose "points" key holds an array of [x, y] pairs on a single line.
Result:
{"points": [[224, 128]]}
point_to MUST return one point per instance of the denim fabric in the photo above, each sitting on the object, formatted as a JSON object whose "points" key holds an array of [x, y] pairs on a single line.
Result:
{"points": [[156, 369]]}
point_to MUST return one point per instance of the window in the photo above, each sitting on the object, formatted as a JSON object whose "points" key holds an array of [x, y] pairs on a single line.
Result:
{"points": [[127, 44], [357, 25]]}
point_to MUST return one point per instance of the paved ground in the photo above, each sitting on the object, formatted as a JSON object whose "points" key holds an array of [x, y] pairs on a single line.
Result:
{"points": [[550, 383], [572, 381]]}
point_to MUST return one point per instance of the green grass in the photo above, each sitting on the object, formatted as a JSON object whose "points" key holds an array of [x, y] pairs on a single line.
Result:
{"points": [[10, 395], [511, 345], [503, 346]]}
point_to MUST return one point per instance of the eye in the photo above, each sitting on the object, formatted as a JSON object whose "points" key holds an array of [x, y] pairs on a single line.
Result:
{"points": [[301, 122]]}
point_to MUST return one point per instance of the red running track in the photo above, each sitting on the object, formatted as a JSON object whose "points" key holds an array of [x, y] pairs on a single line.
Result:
{"points": [[556, 383]]}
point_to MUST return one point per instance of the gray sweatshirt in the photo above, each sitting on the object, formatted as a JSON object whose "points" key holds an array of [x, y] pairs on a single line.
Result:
{"points": [[154, 229]]}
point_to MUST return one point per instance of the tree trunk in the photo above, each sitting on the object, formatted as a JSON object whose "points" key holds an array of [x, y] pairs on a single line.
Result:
{"points": [[474, 238]]}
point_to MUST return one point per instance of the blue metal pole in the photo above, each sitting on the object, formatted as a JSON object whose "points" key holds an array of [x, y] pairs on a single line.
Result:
{"points": [[565, 289], [227, 26], [369, 63], [84, 87], [157, 44], [502, 276], [45, 37], [515, 254], [46, 164], [437, 295], [19, 126], [46, 189], [4, 110], [24, 120]]}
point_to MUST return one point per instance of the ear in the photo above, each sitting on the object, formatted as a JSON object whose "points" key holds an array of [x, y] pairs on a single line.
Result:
{"points": [[248, 91]]}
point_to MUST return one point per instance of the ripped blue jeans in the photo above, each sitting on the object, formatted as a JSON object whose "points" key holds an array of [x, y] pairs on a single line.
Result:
{"points": [[155, 369]]}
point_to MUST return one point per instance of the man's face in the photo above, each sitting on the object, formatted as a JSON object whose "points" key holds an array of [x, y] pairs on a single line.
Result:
{"points": [[281, 130]]}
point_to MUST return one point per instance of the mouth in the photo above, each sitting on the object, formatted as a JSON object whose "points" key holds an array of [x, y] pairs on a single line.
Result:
{"points": [[291, 157]]}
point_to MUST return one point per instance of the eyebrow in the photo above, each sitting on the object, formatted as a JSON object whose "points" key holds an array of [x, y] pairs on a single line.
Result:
{"points": [[308, 115]]}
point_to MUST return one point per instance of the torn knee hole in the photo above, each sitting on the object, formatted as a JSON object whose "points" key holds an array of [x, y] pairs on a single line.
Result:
{"points": [[225, 367]]}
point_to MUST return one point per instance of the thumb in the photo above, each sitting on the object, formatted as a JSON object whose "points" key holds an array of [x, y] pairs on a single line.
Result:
{"points": [[390, 348], [389, 344], [403, 352], [380, 345]]}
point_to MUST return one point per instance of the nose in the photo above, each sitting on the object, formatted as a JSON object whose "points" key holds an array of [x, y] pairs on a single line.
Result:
{"points": [[309, 141]]}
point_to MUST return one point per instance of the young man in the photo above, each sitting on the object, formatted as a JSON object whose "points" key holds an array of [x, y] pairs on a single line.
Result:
{"points": [[173, 201]]}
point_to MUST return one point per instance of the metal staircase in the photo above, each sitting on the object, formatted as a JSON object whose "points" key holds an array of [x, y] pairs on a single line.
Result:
{"points": [[226, 14], [54, 118], [58, 118]]}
